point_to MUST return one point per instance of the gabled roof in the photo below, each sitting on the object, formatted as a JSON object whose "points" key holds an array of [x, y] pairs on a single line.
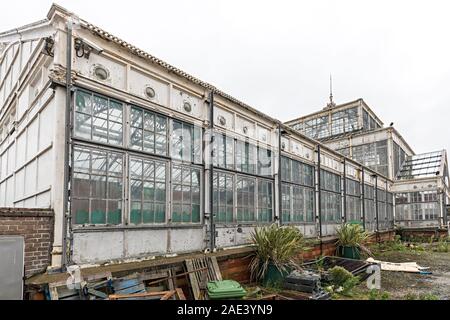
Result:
{"points": [[423, 166], [337, 107]]}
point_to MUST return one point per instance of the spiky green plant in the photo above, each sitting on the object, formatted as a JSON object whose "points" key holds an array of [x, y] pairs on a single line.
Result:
{"points": [[280, 246], [352, 235]]}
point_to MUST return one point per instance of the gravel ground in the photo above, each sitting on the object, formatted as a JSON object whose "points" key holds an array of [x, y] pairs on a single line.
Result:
{"points": [[403, 285]]}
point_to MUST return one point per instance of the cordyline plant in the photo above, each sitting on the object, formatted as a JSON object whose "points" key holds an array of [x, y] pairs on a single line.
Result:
{"points": [[352, 235], [275, 245]]}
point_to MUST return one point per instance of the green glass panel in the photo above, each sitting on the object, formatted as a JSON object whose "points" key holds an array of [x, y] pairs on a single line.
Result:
{"points": [[115, 216], [149, 191], [229, 214], [82, 217], [136, 214], [148, 213], [176, 214], [187, 213], [98, 217], [195, 213], [239, 214], [160, 213]]}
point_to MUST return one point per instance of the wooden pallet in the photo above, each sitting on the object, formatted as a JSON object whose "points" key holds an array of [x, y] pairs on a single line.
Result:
{"points": [[199, 279]]}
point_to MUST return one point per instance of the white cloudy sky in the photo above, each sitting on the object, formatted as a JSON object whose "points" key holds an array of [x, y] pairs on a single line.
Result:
{"points": [[277, 55]]}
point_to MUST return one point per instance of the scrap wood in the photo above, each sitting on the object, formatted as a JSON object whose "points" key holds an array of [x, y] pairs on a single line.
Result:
{"points": [[412, 267], [168, 295], [138, 295], [180, 294], [175, 276], [197, 279], [268, 297]]}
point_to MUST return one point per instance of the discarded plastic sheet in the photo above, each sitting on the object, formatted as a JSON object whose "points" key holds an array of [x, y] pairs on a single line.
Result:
{"points": [[401, 267]]}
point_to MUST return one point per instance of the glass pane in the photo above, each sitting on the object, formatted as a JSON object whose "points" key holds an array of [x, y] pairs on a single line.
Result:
{"points": [[115, 133], [148, 213], [136, 189], [149, 121], [80, 208], [83, 102], [136, 168], [149, 191], [160, 172], [100, 107], [99, 162], [149, 142], [98, 214], [81, 185], [136, 117], [160, 192], [114, 212], [98, 186], [115, 164], [196, 213], [160, 213], [115, 112], [136, 214], [177, 138], [177, 194], [99, 130], [83, 126], [149, 170], [161, 125], [176, 213], [81, 160], [136, 138], [114, 188], [160, 144], [186, 213]]}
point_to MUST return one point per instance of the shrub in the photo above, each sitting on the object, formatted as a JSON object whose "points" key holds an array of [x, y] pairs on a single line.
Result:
{"points": [[352, 235], [277, 245], [343, 280]]}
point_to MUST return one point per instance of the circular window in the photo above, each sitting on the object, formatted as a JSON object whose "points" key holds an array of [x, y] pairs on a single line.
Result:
{"points": [[149, 92], [222, 120], [283, 145], [245, 130], [187, 107], [101, 73]]}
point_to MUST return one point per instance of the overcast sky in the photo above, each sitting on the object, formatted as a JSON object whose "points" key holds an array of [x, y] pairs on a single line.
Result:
{"points": [[277, 55]]}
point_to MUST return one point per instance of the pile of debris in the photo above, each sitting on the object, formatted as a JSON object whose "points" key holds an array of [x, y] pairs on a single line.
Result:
{"points": [[194, 279]]}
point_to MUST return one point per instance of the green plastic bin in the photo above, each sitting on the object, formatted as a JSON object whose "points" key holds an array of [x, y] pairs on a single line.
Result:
{"points": [[225, 289]]}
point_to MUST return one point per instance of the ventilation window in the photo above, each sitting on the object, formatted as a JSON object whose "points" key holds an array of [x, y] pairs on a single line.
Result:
{"points": [[149, 92], [222, 120], [101, 73], [187, 107]]}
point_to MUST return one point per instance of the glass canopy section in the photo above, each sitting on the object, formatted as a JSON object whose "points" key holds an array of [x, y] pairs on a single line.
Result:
{"points": [[422, 166]]}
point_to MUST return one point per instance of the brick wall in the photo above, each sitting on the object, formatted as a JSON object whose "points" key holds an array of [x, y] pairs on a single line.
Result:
{"points": [[36, 226]]}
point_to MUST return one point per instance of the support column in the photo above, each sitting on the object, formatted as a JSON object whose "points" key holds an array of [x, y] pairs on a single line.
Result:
{"points": [[363, 204]]}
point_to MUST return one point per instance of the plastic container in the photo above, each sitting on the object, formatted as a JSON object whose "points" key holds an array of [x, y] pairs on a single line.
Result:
{"points": [[225, 289]]}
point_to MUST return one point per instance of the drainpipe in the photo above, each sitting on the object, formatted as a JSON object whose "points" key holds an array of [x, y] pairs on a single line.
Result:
{"points": [[212, 227], [363, 200], [280, 205], [345, 190], [376, 206], [386, 203], [319, 197], [67, 145]]}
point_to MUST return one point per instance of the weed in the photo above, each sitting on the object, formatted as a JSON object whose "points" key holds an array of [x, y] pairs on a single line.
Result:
{"points": [[428, 296], [410, 296], [378, 295]]}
